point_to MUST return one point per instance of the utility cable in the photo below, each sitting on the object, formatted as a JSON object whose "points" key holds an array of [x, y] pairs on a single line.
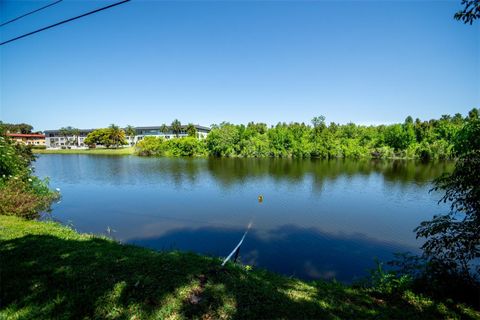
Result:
{"points": [[29, 13], [64, 21]]}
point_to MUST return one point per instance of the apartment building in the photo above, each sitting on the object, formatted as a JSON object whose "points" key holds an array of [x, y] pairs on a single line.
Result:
{"points": [[55, 139], [28, 138]]}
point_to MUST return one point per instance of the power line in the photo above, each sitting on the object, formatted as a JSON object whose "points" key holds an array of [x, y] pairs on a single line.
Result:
{"points": [[29, 13], [64, 21]]}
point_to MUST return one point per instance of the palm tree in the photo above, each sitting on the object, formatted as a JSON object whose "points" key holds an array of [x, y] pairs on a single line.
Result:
{"points": [[76, 133], [164, 128], [191, 130], [70, 131], [130, 132], [65, 132], [116, 134], [176, 127]]}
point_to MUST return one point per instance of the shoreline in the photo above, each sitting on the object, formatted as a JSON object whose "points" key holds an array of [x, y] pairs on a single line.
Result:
{"points": [[131, 151], [102, 151], [44, 264]]}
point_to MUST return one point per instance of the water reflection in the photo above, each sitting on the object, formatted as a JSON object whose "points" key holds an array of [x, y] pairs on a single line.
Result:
{"points": [[308, 253], [333, 216], [237, 170], [130, 169]]}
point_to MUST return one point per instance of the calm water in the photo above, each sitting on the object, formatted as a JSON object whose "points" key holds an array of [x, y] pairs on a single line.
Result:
{"points": [[319, 219]]}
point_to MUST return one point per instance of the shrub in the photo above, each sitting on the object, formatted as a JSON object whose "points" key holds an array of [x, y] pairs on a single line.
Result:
{"points": [[21, 193], [389, 282], [151, 146], [25, 199], [185, 147], [39, 147]]}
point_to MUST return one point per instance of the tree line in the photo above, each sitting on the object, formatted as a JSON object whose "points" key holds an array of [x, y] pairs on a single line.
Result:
{"points": [[16, 127], [415, 139]]}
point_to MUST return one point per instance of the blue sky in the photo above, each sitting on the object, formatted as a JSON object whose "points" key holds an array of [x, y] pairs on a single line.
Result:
{"points": [[148, 62]]}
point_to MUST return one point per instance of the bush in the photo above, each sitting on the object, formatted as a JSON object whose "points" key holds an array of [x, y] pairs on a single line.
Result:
{"points": [[178, 147], [39, 147], [432, 277], [151, 146], [14, 159], [185, 147], [389, 282], [21, 193], [25, 199]]}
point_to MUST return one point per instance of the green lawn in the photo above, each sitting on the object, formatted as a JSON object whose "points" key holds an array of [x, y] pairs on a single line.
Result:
{"points": [[102, 151], [50, 271]]}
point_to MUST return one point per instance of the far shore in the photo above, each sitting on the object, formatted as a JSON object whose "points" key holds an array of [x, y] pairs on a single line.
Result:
{"points": [[99, 151]]}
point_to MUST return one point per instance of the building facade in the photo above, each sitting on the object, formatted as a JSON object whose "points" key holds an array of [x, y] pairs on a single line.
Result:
{"points": [[33, 139], [168, 133], [55, 139]]}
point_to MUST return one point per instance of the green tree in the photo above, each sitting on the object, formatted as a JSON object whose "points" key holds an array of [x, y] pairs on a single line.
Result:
{"points": [[116, 135], [453, 239], [97, 137], [473, 114], [408, 120], [191, 130], [111, 136], [130, 133], [164, 128], [399, 137], [223, 140], [16, 128], [176, 127], [318, 124], [70, 134]]}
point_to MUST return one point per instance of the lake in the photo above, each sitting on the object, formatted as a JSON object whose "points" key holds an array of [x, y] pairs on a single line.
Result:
{"points": [[319, 219]]}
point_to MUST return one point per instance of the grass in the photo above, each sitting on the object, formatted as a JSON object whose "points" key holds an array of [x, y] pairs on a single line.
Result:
{"points": [[102, 151], [51, 271]]}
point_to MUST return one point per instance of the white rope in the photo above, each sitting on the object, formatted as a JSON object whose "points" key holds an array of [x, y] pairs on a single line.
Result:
{"points": [[238, 245]]}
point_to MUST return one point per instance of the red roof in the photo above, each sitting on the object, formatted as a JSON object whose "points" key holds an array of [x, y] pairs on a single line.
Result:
{"points": [[26, 135]]}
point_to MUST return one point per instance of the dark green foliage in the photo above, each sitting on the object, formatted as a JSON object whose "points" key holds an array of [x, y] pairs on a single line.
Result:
{"points": [[399, 137], [449, 266], [21, 193], [470, 11], [224, 140], [16, 128], [389, 281], [191, 130], [453, 239], [427, 276], [176, 127], [179, 147], [417, 139]]}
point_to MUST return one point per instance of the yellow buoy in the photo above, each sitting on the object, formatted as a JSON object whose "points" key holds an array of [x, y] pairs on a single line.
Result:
{"points": [[260, 198]]}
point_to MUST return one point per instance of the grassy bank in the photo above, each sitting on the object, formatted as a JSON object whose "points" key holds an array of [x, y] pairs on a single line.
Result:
{"points": [[51, 271], [103, 151]]}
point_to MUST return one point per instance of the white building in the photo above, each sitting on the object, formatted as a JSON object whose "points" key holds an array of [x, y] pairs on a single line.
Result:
{"points": [[142, 132], [55, 139]]}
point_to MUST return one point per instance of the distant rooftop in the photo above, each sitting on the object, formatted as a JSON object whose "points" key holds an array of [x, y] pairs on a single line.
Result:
{"points": [[183, 127], [26, 135]]}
